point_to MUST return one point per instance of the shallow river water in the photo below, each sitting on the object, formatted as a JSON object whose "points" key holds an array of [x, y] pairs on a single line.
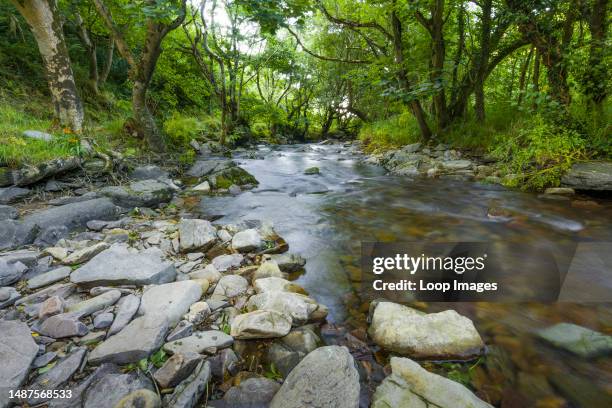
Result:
{"points": [[325, 218]]}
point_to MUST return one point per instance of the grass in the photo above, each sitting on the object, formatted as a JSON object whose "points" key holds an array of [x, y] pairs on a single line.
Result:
{"points": [[389, 133]]}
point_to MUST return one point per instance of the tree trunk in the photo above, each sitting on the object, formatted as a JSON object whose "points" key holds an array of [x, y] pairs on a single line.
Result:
{"points": [[45, 22], [108, 61], [402, 76], [483, 58], [143, 73], [92, 57], [596, 77], [522, 77], [438, 58]]}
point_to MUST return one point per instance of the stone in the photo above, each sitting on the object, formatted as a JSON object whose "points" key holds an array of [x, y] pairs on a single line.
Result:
{"points": [[576, 339], [170, 301], [454, 165], [8, 296], [224, 262], [119, 265], [224, 235], [311, 171], [17, 352], [14, 234], [142, 193], [112, 388], [188, 393], [91, 338], [268, 269], [62, 290], [56, 377], [288, 262], [444, 335], [8, 213], [196, 234], [247, 240], [11, 272], [299, 308], [142, 398], [51, 235], [149, 172], [138, 340], [224, 364], [234, 190], [126, 310], [230, 286], [183, 329], [411, 148], [12, 194], [276, 284], [103, 320], [560, 191], [63, 325], [283, 359], [72, 216], [260, 324], [58, 253], [198, 312], [251, 393], [100, 302], [203, 187], [37, 135], [302, 340], [223, 179], [327, 377], [53, 306], [50, 277], [210, 273], [83, 255], [200, 342], [411, 386], [178, 367], [593, 175], [203, 168], [74, 199], [44, 359]]}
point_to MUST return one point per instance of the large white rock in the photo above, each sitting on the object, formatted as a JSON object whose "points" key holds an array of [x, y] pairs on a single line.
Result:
{"points": [[17, 351], [276, 284], [436, 335], [196, 234], [326, 377], [411, 386], [230, 286], [200, 342], [298, 307], [224, 262], [247, 240], [171, 300], [260, 324], [119, 265]]}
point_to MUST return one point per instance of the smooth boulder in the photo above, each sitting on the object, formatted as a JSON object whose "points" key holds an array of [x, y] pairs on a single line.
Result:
{"points": [[409, 332], [17, 352], [170, 301], [326, 377], [411, 386], [260, 324]]}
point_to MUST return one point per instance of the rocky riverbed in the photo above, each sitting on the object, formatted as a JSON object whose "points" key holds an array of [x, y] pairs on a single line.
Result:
{"points": [[130, 295]]}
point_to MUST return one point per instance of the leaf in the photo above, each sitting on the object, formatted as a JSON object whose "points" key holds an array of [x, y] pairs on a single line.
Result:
{"points": [[47, 367]]}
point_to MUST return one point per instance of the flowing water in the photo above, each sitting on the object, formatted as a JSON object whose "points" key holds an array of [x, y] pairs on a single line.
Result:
{"points": [[325, 218]]}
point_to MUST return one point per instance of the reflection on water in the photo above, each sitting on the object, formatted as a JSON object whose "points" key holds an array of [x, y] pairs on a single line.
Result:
{"points": [[326, 217]]}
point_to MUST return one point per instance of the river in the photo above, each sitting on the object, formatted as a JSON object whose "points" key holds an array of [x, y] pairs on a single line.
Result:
{"points": [[325, 218]]}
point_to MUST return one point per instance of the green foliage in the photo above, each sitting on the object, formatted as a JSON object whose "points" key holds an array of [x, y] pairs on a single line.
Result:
{"points": [[273, 373], [388, 133], [539, 154], [181, 129]]}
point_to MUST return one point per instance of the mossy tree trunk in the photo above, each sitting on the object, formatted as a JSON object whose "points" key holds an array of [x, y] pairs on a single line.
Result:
{"points": [[45, 21]]}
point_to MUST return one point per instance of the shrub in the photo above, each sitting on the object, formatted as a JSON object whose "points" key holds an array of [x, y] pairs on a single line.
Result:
{"points": [[394, 131], [539, 154], [181, 129]]}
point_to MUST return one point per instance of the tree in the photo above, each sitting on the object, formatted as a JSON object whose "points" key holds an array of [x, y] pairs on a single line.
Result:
{"points": [[160, 18], [45, 21]]}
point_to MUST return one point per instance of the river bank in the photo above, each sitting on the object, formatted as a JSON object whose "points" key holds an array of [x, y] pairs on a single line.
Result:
{"points": [[225, 303]]}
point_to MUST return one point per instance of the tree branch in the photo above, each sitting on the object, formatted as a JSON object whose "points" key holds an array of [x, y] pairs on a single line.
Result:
{"points": [[352, 23], [321, 57], [120, 42]]}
